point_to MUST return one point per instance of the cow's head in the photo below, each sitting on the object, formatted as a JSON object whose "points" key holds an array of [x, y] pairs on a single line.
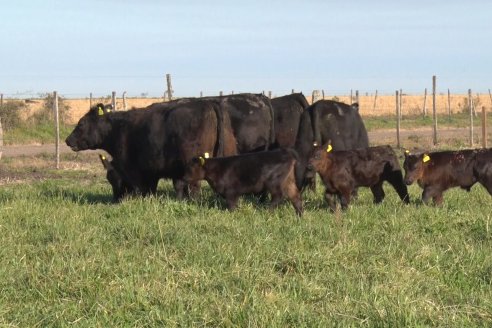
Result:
{"points": [[414, 165], [320, 157], [195, 170], [91, 129]]}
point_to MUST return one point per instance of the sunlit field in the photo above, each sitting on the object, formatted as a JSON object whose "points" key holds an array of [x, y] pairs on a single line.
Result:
{"points": [[71, 256]]}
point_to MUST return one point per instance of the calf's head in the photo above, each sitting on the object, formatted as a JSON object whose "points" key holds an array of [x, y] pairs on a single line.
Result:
{"points": [[91, 129], [414, 166], [320, 157], [114, 178], [195, 170]]}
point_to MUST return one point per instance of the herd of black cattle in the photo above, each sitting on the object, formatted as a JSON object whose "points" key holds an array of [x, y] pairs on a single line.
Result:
{"points": [[248, 143]]}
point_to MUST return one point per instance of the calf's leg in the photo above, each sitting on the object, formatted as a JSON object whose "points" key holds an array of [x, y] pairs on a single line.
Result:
{"points": [[378, 192], [432, 192], [395, 178]]}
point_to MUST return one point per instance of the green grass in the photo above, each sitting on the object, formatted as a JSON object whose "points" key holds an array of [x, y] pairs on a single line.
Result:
{"points": [[35, 133], [459, 120], [71, 257]]}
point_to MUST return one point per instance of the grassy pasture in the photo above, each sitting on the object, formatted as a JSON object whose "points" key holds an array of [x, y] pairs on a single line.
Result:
{"points": [[72, 258]]}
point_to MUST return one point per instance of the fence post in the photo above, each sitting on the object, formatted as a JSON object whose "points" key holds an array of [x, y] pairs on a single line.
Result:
{"points": [[484, 127], [449, 105], [201, 94], [292, 91], [357, 97], [397, 120], [323, 93], [425, 102], [90, 100], [169, 87], [270, 94], [1, 99], [57, 129], [434, 113], [375, 99], [490, 95], [471, 116], [221, 93], [351, 96], [113, 99], [124, 100]]}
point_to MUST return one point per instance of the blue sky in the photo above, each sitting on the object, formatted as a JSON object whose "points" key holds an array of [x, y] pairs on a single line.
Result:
{"points": [[78, 47]]}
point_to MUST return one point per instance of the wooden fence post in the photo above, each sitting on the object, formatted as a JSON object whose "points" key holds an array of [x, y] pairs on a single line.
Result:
{"points": [[57, 129], [357, 96], [434, 113], [90, 100], [292, 91], [490, 95], [221, 93], [449, 104], [351, 96], [484, 127], [1, 99], [397, 120], [169, 87], [124, 100], [270, 94], [375, 100], [425, 102], [201, 94], [113, 100], [471, 116], [323, 93]]}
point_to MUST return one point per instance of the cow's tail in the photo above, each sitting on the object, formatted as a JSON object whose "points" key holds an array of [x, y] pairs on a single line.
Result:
{"points": [[315, 124], [220, 130], [303, 101], [272, 124]]}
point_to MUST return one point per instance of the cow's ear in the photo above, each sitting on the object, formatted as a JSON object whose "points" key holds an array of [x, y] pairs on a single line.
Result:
{"points": [[355, 106], [328, 147], [108, 108], [104, 161]]}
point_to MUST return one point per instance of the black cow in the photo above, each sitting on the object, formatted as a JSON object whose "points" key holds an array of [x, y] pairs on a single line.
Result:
{"points": [[233, 176], [250, 116], [288, 110], [343, 171], [328, 120], [151, 144], [438, 171]]}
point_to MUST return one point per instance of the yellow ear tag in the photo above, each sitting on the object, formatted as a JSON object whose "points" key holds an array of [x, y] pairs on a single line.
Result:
{"points": [[202, 160], [103, 157], [100, 112], [407, 151], [426, 158], [329, 148], [315, 144], [206, 155]]}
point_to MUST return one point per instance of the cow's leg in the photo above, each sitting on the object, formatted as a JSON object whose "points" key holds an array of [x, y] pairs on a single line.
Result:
{"points": [[231, 201], [344, 195], [331, 200], [295, 197], [378, 192], [194, 189], [432, 193], [395, 178], [486, 181], [181, 188]]}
